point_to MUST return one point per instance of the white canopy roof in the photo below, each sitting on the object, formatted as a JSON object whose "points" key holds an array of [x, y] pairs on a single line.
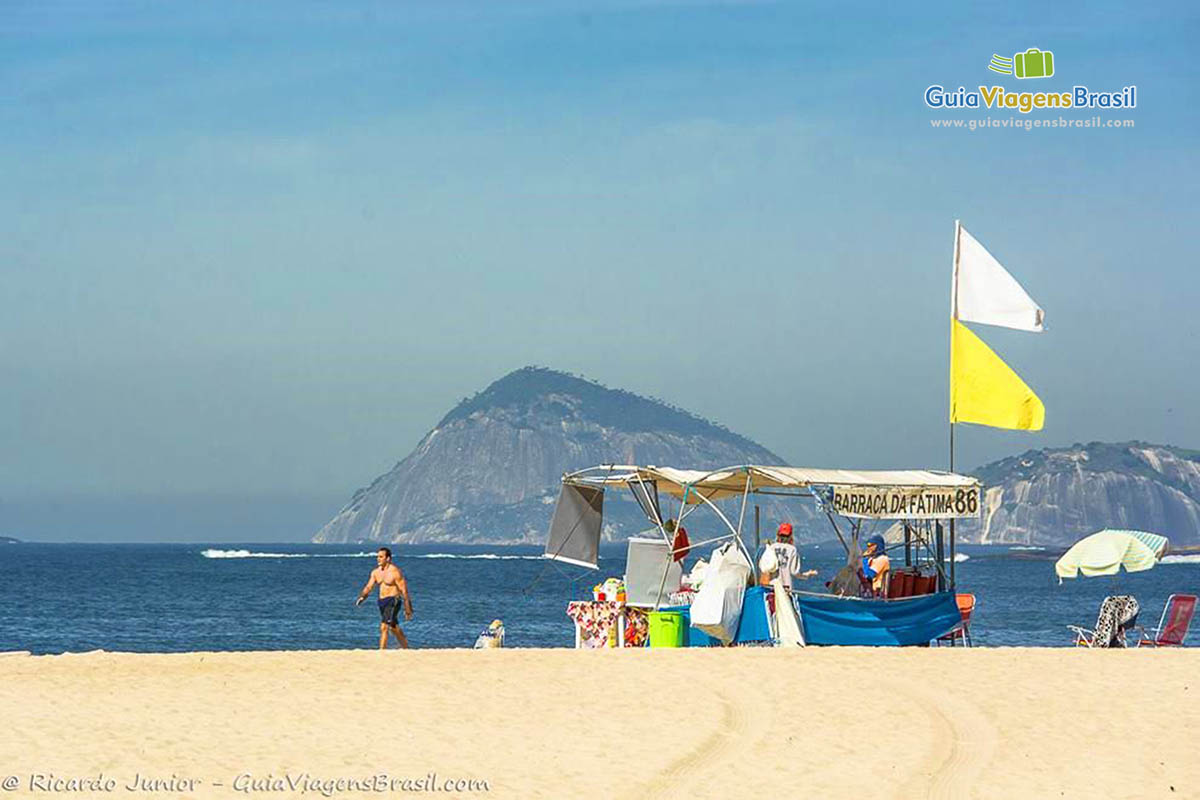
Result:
{"points": [[866, 494], [731, 481]]}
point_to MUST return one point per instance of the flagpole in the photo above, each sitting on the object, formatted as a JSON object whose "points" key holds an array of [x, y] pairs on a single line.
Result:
{"points": [[953, 318]]}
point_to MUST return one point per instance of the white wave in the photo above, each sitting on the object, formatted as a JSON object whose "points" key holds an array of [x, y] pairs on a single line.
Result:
{"points": [[210, 553], [1182, 558], [1025, 547], [488, 556], [958, 558]]}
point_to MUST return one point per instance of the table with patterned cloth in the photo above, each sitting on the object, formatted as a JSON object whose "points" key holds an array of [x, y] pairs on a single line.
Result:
{"points": [[594, 619]]}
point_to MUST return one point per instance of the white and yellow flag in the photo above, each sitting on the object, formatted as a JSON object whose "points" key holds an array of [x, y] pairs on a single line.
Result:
{"points": [[983, 389]]}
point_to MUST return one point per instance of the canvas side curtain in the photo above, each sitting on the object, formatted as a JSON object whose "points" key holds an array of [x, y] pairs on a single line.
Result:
{"points": [[575, 528]]}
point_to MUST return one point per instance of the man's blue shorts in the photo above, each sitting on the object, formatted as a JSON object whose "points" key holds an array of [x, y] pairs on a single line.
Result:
{"points": [[389, 609]]}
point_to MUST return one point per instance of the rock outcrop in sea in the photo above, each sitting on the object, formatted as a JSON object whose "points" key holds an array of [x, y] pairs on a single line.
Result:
{"points": [[1056, 496], [490, 470]]}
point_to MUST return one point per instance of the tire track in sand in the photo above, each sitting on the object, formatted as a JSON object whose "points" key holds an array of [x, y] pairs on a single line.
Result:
{"points": [[962, 747], [725, 737]]}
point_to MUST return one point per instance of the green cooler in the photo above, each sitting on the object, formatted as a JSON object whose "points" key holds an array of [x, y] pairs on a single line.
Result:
{"points": [[667, 629]]}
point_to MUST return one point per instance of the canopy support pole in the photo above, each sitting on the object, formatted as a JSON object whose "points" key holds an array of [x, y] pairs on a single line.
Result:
{"points": [[757, 539], [742, 513], [907, 545], [657, 521], [940, 556], [662, 582], [694, 545], [734, 534], [833, 522], [953, 584]]}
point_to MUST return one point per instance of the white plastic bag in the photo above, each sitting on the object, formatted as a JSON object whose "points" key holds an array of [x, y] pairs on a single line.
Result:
{"points": [[768, 562], [695, 578], [718, 605]]}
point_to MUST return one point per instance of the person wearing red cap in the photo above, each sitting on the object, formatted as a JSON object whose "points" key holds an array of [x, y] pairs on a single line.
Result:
{"points": [[787, 559]]}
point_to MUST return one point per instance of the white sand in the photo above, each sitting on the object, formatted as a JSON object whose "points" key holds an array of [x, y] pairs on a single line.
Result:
{"points": [[820, 723]]}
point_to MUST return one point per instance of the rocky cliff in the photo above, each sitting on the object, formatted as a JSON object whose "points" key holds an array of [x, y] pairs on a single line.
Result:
{"points": [[490, 470], [1053, 497]]}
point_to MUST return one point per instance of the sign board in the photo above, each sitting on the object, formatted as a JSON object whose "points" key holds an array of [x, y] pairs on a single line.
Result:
{"points": [[907, 503]]}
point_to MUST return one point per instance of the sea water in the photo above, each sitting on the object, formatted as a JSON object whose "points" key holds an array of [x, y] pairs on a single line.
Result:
{"points": [[58, 598]]}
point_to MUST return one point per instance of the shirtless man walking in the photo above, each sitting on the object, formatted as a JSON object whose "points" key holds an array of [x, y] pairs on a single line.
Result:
{"points": [[393, 590]]}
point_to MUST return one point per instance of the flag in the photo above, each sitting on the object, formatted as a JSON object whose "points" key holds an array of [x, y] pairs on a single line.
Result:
{"points": [[984, 390], [984, 292]]}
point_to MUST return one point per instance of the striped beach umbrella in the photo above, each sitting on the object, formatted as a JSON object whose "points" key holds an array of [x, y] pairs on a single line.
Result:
{"points": [[1106, 552]]}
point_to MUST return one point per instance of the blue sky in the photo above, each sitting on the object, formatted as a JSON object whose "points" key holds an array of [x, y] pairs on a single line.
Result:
{"points": [[262, 248]]}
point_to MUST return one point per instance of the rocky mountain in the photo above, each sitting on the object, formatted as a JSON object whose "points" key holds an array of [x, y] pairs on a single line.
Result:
{"points": [[1056, 496], [489, 471]]}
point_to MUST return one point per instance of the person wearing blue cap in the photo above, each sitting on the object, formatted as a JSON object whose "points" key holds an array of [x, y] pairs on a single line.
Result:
{"points": [[876, 564]]}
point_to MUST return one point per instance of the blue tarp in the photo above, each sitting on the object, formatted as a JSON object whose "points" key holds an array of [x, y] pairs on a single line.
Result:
{"points": [[844, 620], [754, 625], [849, 621]]}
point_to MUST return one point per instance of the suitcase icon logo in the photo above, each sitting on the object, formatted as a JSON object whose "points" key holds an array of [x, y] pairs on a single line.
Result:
{"points": [[1033, 63]]}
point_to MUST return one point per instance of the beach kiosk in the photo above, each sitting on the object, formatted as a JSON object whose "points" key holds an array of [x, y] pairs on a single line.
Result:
{"points": [[917, 605]]}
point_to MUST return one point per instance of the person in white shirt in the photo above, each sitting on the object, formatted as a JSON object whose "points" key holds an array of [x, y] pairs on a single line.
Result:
{"points": [[786, 559], [778, 567]]}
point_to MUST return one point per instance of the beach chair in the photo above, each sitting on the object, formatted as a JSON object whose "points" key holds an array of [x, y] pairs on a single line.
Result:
{"points": [[901, 584], [925, 584], [1118, 615], [1174, 624], [962, 631]]}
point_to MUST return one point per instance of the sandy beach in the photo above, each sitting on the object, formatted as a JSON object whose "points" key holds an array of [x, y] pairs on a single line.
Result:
{"points": [[646, 723]]}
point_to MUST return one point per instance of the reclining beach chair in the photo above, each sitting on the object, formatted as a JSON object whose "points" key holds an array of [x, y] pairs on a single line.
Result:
{"points": [[925, 584], [1118, 614], [962, 631], [1174, 624], [901, 584]]}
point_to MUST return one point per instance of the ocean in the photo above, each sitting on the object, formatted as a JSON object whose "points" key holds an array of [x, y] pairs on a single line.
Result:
{"points": [[59, 598]]}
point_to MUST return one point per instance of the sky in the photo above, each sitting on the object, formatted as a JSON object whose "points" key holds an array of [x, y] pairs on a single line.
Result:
{"points": [[251, 253]]}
